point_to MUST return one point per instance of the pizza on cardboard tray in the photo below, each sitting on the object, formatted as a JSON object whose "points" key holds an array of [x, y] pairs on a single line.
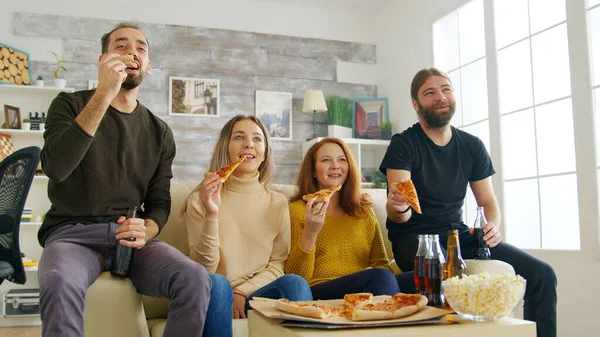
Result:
{"points": [[322, 195], [408, 191], [358, 307], [225, 171]]}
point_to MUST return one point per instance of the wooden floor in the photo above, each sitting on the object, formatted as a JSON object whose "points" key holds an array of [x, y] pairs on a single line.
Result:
{"points": [[27, 331]]}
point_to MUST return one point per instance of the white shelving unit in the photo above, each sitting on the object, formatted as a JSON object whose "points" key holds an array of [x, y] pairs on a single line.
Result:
{"points": [[28, 99], [367, 152]]}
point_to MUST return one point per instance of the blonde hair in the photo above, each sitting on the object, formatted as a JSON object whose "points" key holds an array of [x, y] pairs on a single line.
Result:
{"points": [[220, 156]]}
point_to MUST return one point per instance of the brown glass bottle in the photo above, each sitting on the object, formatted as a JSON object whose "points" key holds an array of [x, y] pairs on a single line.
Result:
{"points": [[124, 255], [454, 265]]}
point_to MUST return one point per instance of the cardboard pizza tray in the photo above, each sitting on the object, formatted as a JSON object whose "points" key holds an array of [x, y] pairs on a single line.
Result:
{"points": [[427, 315]]}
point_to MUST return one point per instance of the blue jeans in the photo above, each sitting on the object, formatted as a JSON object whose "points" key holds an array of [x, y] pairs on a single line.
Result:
{"points": [[377, 281], [290, 286], [220, 306]]}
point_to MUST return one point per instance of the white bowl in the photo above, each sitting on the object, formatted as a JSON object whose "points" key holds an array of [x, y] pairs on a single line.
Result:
{"points": [[482, 297]]}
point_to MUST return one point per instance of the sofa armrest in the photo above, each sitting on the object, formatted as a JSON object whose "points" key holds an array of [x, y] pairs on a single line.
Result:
{"points": [[492, 267], [113, 307]]}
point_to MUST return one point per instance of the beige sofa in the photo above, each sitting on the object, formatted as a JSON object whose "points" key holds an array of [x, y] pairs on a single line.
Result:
{"points": [[114, 308]]}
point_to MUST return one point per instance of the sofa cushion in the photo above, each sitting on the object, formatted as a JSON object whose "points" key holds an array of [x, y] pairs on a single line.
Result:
{"points": [[175, 233]]}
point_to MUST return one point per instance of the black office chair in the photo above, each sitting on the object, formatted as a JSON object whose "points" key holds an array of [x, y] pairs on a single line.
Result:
{"points": [[16, 174]]}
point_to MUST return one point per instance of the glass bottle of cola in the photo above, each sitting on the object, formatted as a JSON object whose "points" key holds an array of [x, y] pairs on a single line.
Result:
{"points": [[482, 250], [123, 255], [419, 275], [454, 265], [434, 271]]}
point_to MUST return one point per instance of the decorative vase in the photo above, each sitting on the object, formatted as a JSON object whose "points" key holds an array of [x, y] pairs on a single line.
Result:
{"points": [[339, 131], [386, 135], [42, 126], [60, 83], [39, 83], [25, 126]]}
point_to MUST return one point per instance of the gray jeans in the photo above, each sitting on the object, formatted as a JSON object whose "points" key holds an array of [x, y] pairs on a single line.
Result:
{"points": [[75, 255]]}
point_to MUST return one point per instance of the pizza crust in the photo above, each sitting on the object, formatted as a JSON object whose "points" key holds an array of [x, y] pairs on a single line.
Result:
{"points": [[307, 311]]}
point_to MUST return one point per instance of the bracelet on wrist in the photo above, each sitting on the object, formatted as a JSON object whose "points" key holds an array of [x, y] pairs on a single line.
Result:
{"points": [[241, 294], [404, 211]]}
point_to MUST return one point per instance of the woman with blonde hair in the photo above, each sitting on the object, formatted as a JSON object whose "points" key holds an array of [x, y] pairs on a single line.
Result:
{"points": [[239, 230], [337, 244]]}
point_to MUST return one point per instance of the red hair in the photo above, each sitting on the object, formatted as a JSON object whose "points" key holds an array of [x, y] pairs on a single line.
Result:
{"points": [[351, 200]]}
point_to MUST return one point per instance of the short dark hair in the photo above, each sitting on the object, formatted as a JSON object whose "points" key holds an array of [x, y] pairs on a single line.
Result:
{"points": [[106, 37], [421, 77]]}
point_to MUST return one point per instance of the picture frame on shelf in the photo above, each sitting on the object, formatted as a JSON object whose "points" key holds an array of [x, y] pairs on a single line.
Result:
{"points": [[16, 65], [6, 145], [194, 97], [274, 109], [12, 117], [367, 116]]}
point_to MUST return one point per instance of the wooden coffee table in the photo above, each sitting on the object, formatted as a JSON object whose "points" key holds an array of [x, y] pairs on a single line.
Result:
{"points": [[261, 326]]}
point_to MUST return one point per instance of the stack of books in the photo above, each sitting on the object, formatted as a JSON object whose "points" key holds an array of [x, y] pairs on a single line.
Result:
{"points": [[26, 216]]}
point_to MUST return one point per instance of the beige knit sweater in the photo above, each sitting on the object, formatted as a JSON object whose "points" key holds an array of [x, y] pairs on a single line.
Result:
{"points": [[250, 241]]}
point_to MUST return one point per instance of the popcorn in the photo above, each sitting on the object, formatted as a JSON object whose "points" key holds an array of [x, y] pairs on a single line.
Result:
{"points": [[484, 295]]}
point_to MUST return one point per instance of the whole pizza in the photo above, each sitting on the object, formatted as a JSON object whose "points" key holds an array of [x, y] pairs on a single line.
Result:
{"points": [[358, 307]]}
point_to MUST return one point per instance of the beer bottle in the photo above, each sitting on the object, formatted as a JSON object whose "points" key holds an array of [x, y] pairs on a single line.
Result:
{"points": [[434, 271], [454, 265], [123, 255], [419, 275], [482, 250]]}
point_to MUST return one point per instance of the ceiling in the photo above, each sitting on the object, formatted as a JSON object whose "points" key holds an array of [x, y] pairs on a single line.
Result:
{"points": [[334, 4]]}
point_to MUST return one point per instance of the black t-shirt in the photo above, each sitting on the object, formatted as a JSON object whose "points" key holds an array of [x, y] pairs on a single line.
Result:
{"points": [[440, 175]]}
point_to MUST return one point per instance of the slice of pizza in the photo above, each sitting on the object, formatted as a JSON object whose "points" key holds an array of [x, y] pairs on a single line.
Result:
{"points": [[128, 60], [399, 305], [225, 171], [322, 195], [408, 191], [307, 309], [357, 300]]}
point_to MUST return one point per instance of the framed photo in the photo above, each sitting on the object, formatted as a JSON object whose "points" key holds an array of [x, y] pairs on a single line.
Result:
{"points": [[15, 64], [367, 116], [194, 97], [12, 117], [274, 109]]}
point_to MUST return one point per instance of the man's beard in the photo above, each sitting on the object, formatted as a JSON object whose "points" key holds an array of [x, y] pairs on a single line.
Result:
{"points": [[133, 81], [436, 120]]}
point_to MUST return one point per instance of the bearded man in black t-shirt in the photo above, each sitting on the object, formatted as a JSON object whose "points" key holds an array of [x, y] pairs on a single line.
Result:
{"points": [[441, 160]]}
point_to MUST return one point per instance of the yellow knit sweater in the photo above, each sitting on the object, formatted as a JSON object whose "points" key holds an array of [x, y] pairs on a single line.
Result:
{"points": [[344, 246]]}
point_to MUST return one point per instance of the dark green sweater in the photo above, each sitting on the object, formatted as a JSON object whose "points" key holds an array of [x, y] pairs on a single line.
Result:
{"points": [[96, 179]]}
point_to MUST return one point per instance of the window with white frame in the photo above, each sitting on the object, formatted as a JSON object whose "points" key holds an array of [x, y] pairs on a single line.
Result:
{"points": [[593, 10], [459, 51], [536, 117], [536, 124]]}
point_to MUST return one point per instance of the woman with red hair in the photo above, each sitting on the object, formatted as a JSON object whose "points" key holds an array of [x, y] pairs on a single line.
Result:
{"points": [[337, 244]]}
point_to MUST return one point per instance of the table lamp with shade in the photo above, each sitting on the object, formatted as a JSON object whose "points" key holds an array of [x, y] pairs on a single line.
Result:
{"points": [[314, 102]]}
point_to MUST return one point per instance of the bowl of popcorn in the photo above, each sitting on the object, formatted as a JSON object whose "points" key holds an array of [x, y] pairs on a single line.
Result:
{"points": [[482, 297]]}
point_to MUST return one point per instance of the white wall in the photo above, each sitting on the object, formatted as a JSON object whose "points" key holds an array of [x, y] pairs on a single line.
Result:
{"points": [[404, 46], [271, 17]]}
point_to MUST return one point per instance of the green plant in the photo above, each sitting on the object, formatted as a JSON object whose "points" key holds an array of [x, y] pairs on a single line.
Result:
{"points": [[40, 78], [26, 120], [59, 66], [379, 180], [339, 111], [386, 126]]}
